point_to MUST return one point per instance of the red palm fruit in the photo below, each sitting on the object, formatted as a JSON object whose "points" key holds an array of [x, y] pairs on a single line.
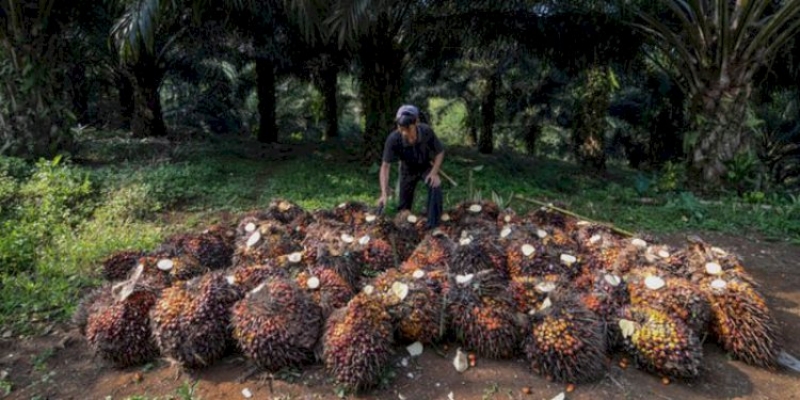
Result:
{"points": [[276, 325], [566, 342], [357, 344], [119, 332], [190, 321]]}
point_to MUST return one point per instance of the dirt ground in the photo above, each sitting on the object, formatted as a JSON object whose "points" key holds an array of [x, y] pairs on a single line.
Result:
{"points": [[59, 365]]}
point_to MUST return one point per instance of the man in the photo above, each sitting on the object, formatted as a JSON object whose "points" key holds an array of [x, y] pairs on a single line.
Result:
{"points": [[421, 155]]}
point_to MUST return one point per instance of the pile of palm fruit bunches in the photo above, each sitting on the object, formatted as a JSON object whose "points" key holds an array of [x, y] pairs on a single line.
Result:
{"points": [[344, 287]]}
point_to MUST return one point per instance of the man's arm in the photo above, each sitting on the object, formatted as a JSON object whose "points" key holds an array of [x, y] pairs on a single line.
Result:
{"points": [[384, 180]]}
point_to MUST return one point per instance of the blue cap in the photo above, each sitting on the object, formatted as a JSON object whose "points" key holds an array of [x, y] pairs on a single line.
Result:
{"points": [[407, 110]]}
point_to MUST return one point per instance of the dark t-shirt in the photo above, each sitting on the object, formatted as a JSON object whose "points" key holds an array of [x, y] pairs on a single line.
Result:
{"points": [[416, 157]]}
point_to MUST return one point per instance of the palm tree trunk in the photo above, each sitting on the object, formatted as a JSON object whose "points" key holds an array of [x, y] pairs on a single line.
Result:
{"points": [[78, 89], [719, 133], [381, 88], [267, 127], [148, 120], [488, 115], [588, 130], [473, 122], [331, 105], [125, 98], [532, 135]]}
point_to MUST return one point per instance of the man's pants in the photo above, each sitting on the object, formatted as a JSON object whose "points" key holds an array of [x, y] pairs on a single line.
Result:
{"points": [[408, 184]]}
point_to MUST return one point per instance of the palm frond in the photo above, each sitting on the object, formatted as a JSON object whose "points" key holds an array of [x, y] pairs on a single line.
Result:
{"points": [[135, 31]]}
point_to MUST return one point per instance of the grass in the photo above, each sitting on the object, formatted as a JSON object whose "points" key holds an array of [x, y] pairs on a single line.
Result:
{"points": [[62, 218]]}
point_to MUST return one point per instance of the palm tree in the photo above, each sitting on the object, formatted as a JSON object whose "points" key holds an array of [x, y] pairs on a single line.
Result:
{"points": [[714, 49]]}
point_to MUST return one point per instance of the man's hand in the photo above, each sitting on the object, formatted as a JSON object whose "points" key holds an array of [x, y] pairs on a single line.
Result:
{"points": [[433, 180], [382, 201]]}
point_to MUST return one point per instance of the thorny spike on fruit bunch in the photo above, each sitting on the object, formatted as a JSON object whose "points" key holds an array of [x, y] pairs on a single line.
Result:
{"points": [[741, 320], [95, 300], [120, 332], [660, 343], [530, 291], [357, 344], [276, 325], [117, 266], [191, 320], [677, 297], [417, 310], [326, 288], [268, 240], [481, 313], [566, 342], [432, 253]]}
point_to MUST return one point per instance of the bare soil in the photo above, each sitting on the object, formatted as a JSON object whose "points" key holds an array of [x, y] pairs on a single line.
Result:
{"points": [[59, 365]]}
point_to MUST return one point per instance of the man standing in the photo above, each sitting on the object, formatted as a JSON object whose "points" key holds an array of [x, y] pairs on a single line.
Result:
{"points": [[421, 155]]}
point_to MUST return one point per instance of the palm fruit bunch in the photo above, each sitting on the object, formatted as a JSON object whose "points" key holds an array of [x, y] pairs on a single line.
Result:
{"points": [[212, 249], [118, 265], [96, 299], [152, 270], [276, 325], [321, 237], [526, 256], [409, 229], [351, 213], [190, 321], [529, 292], [263, 241], [326, 288], [699, 260], [604, 294], [432, 253], [660, 343], [119, 331], [377, 253], [508, 217], [357, 344], [247, 277], [545, 216], [566, 342], [474, 253], [181, 268], [676, 296], [284, 211], [345, 260], [741, 320], [417, 310], [475, 214], [481, 313]]}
